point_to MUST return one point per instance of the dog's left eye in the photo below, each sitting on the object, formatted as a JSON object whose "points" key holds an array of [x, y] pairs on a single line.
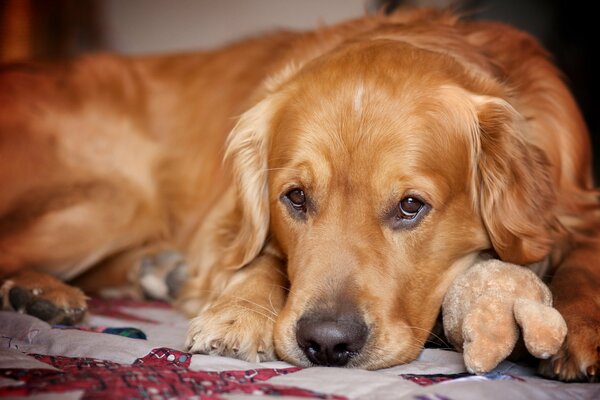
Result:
{"points": [[297, 199], [409, 208]]}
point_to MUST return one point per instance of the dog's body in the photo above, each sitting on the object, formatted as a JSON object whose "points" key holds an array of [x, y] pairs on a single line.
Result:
{"points": [[379, 159]]}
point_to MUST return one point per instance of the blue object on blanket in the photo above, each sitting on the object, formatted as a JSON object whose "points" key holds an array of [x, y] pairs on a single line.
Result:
{"points": [[133, 333], [129, 332]]}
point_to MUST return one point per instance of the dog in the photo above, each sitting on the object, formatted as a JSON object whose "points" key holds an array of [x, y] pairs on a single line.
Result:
{"points": [[367, 164]]}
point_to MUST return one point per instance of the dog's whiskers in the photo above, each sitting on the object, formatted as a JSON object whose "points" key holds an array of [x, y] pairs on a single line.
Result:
{"points": [[241, 299], [287, 289], [255, 304], [383, 353], [274, 310], [280, 272], [431, 334], [257, 312]]}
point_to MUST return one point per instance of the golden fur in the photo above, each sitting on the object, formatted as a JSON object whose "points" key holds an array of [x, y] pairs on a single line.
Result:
{"points": [[109, 158]]}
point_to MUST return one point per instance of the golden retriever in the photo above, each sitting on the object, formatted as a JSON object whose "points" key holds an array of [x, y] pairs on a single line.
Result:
{"points": [[372, 161]]}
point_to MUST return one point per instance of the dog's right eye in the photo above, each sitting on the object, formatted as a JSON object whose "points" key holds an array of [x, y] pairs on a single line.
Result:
{"points": [[297, 199], [408, 212], [409, 208]]}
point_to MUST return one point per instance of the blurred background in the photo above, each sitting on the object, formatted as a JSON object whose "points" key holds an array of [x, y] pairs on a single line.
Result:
{"points": [[56, 29]]}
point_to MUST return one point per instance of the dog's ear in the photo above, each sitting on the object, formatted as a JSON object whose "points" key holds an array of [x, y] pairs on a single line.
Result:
{"points": [[246, 153], [247, 227], [515, 189]]}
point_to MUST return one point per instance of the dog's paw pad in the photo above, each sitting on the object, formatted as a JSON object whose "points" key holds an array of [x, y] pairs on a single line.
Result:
{"points": [[44, 297], [43, 310], [162, 274], [19, 298]]}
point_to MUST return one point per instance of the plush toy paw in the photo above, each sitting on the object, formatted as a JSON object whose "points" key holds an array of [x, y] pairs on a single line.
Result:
{"points": [[485, 307]]}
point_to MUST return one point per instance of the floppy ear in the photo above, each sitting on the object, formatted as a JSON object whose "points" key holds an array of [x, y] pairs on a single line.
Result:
{"points": [[516, 193], [246, 151]]}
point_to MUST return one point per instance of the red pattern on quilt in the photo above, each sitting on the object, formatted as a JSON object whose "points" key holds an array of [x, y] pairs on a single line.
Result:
{"points": [[426, 380], [163, 373]]}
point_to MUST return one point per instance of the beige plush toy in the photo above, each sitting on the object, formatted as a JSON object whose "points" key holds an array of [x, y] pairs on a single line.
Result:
{"points": [[485, 307]]}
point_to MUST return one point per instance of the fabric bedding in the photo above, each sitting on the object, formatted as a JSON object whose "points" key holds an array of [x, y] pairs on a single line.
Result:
{"points": [[134, 350]]}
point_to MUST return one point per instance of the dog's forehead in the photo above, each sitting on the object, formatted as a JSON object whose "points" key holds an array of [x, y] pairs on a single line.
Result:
{"points": [[369, 90], [361, 127]]}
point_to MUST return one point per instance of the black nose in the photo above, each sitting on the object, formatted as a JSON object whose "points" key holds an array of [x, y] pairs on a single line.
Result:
{"points": [[331, 342]]}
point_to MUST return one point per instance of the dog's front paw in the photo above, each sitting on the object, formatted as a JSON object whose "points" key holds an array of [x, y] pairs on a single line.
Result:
{"points": [[579, 358], [235, 328]]}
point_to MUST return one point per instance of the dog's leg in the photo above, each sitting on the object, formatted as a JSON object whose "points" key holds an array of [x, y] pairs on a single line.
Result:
{"points": [[575, 287], [73, 229], [239, 322]]}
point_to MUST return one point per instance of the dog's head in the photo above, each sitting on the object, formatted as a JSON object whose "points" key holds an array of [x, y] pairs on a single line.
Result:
{"points": [[379, 171]]}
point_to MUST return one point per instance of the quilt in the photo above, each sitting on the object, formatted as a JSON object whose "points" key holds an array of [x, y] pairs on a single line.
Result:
{"points": [[134, 350]]}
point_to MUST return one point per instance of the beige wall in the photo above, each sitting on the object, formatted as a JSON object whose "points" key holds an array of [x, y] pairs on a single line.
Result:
{"points": [[141, 26]]}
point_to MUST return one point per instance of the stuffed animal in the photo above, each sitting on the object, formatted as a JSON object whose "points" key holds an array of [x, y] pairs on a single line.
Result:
{"points": [[485, 307]]}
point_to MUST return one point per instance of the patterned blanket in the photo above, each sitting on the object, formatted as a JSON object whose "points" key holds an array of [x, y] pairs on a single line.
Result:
{"points": [[134, 350]]}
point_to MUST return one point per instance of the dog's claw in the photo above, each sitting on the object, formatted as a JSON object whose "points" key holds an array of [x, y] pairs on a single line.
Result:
{"points": [[591, 370], [557, 366], [190, 342], [261, 349]]}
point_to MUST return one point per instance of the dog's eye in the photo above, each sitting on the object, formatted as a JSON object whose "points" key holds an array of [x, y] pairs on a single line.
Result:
{"points": [[297, 199], [409, 207]]}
